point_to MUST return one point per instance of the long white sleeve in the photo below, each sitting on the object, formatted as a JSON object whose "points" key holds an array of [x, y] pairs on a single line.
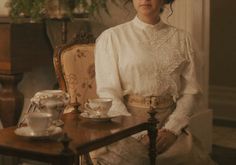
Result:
{"points": [[107, 74], [188, 102]]}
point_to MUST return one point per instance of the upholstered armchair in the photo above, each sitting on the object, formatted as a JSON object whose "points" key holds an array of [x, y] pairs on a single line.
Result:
{"points": [[75, 70]]}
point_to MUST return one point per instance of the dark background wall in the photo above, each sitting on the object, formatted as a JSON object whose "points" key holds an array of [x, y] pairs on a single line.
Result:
{"points": [[222, 94], [223, 43]]}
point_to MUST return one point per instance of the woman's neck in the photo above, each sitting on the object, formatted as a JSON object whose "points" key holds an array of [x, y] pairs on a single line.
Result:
{"points": [[149, 20]]}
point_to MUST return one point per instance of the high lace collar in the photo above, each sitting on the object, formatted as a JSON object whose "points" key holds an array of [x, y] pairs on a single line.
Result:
{"points": [[145, 26]]}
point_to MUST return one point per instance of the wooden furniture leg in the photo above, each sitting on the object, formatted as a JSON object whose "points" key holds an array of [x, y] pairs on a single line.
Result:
{"points": [[65, 159], [11, 99], [152, 133], [67, 155]]}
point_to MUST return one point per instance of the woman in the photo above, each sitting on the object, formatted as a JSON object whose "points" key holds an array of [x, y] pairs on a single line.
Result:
{"points": [[143, 58]]}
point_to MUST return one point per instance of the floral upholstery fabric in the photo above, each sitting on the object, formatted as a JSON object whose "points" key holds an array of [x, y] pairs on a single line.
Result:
{"points": [[79, 72]]}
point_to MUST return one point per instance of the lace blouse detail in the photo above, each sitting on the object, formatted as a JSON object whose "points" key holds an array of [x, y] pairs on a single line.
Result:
{"points": [[142, 59]]}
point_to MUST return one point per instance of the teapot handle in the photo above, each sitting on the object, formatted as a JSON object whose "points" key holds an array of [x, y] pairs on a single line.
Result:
{"points": [[86, 105], [31, 108]]}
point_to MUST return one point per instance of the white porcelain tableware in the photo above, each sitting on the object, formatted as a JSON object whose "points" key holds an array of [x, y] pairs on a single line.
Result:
{"points": [[96, 118], [39, 122], [28, 133], [98, 107], [51, 101]]}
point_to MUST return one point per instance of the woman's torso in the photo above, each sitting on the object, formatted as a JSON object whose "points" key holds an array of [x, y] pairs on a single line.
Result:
{"points": [[150, 58]]}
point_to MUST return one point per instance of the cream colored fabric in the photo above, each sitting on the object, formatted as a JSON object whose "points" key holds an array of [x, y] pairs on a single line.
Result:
{"points": [[201, 127], [136, 58], [187, 150], [8, 160], [79, 73]]}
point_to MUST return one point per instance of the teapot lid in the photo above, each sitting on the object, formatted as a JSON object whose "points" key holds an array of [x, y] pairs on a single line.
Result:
{"points": [[48, 94]]}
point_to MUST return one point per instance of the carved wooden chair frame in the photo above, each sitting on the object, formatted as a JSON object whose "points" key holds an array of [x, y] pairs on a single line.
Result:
{"points": [[80, 38]]}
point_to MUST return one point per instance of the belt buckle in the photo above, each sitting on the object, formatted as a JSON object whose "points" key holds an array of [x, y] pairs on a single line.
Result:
{"points": [[147, 101], [154, 101], [151, 101]]}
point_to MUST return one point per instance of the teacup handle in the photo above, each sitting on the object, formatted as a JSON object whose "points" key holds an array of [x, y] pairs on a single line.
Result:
{"points": [[86, 105]]}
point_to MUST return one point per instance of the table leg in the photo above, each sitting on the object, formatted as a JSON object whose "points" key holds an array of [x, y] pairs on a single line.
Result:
{"points": [[67, 155], [65, 159], [152, 133]]}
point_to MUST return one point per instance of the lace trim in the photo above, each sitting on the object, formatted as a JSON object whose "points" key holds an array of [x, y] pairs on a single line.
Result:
{"points": [[167, 59], [159, 37]]}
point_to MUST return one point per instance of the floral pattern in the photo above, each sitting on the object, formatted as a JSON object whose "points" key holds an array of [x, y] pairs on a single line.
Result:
{"points": [[79, 72]]}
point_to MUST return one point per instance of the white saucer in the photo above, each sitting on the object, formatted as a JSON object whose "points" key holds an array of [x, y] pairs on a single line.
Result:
{"points": [[96, 118], [28, 133], [58, 123]]}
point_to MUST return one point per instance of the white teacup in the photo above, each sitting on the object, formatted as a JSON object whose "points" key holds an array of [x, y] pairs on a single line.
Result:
{"points": [[54, 107], [39, 122], [99, 107]]}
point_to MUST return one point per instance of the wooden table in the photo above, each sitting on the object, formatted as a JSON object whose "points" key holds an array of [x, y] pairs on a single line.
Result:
{"points": [[85, 136]]}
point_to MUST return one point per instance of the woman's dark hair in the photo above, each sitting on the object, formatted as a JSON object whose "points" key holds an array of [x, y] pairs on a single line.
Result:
{"points": [[169, 1], [165, 1]]}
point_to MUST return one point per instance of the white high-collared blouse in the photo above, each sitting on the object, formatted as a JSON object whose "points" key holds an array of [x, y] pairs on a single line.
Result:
{"points": [[143, 59]]}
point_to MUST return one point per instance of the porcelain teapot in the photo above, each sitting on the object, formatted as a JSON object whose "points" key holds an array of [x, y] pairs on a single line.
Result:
{"points": [[50, 101]]}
